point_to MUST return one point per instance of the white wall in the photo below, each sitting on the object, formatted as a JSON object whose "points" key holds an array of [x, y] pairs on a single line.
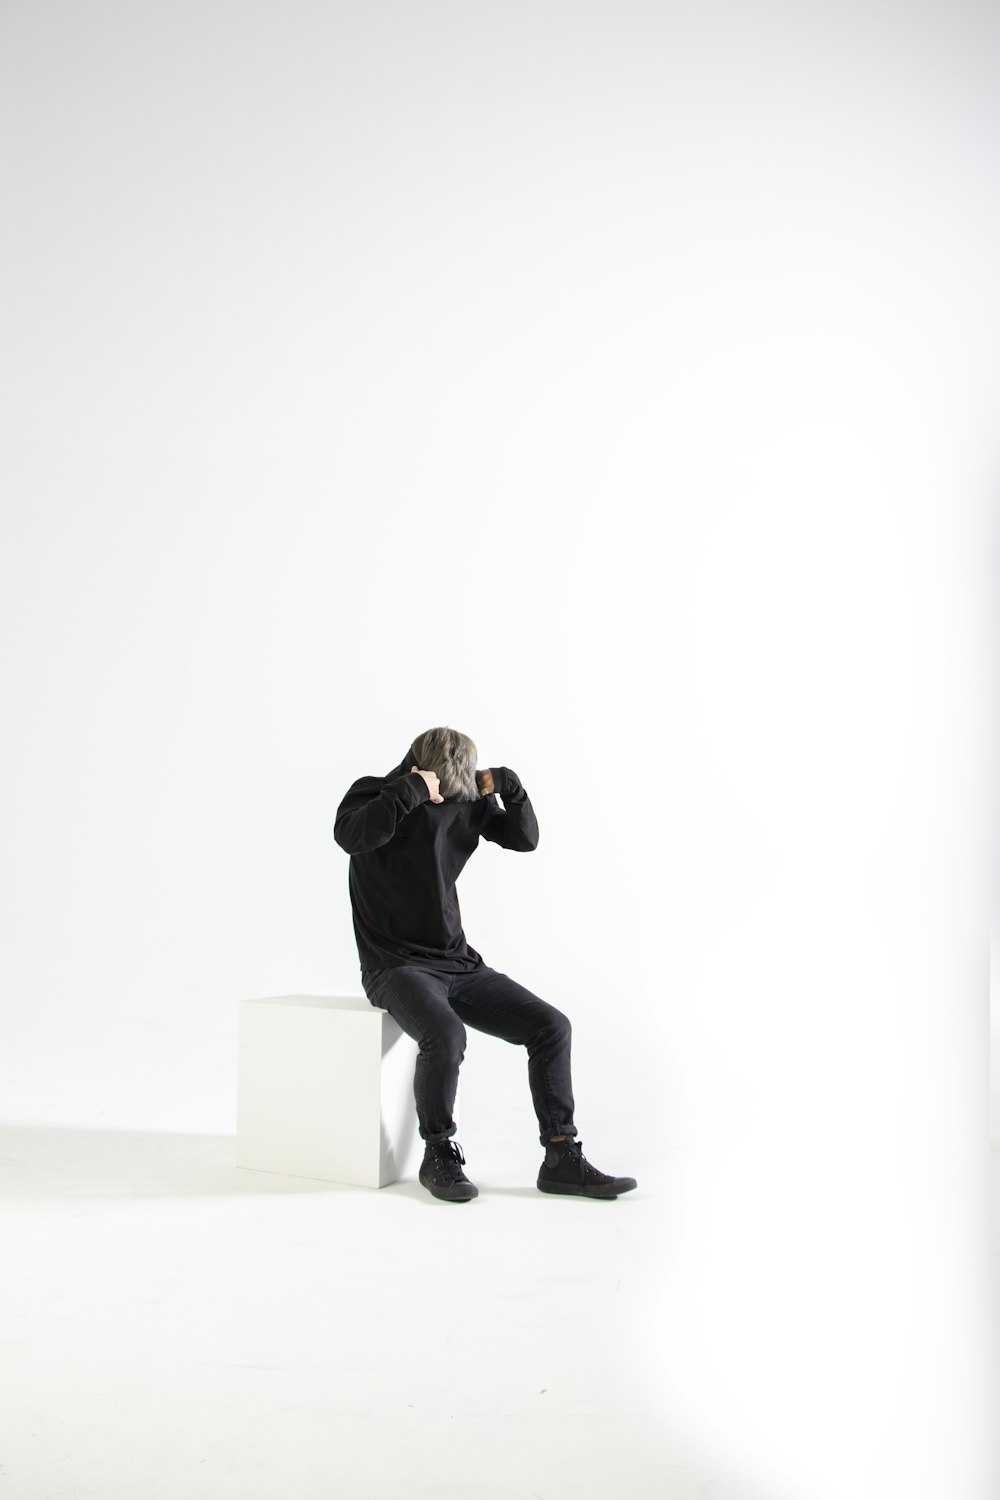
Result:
{"points": [[617, 384]]}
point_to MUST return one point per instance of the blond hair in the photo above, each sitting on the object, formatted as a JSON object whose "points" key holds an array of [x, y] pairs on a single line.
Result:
{"points": [[451, 755]]}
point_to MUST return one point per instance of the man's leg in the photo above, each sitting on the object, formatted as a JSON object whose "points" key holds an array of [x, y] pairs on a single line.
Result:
{"points": [[490, 1001], [417, 999]]}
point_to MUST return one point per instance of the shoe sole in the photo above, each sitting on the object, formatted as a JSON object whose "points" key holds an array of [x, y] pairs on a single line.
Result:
{"points": [[598, 1190], [461, 1193]]}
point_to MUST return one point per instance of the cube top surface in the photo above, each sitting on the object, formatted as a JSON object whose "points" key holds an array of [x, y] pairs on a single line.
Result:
{"points": [[324, 1002]]}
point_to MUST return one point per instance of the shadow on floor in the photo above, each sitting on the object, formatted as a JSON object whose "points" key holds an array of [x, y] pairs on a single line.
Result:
{"points": [[66, 1161], [63, 1162]]}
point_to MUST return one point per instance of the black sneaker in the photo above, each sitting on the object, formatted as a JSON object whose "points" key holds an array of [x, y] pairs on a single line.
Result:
{"points": [[566, 1170], [441, 1172]]}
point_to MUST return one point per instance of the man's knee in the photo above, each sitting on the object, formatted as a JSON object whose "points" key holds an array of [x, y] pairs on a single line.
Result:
{"points": [[445, 1042], [559, 1026]]}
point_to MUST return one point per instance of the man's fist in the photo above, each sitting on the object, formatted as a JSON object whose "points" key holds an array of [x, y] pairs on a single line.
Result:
{"points": [[433, 785], [484, 781]]}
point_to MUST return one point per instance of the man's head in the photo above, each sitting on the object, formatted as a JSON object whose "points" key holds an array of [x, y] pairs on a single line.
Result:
{"points": [[452, 758]]}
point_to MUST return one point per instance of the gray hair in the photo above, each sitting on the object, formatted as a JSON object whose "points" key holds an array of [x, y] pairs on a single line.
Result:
{"points": [[452, 757]]}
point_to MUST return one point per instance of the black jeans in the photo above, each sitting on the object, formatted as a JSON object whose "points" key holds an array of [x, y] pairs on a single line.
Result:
{"points": [[431, 1006]]}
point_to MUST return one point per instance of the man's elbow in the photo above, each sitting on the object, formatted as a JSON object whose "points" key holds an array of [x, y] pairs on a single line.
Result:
{"points": [[358, 839], [342, 836]]}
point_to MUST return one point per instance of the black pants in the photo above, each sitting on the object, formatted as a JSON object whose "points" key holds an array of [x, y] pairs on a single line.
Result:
{"points": [[431, 1006]]}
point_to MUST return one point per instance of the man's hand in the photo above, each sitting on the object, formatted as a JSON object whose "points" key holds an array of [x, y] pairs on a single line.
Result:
{"points": [[484, 781], [433, 785]]}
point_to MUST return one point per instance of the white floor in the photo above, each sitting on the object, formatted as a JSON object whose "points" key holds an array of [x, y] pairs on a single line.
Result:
{"points": [[176, 1328], [179, 1328]]}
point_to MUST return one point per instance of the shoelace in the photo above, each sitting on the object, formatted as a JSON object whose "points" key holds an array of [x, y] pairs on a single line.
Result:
{"points": [[450, 1158], [575, 1149]]}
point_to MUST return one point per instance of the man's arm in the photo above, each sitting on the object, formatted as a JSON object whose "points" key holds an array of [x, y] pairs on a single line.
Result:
{"points": [[517, 828], [370, 812]]}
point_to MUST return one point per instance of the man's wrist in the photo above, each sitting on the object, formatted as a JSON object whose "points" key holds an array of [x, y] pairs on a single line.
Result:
{"points": [[500, 778], [416, 780]]}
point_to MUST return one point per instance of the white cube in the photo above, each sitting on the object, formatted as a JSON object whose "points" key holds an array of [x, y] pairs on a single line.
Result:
{"points": [[325, 1089]]}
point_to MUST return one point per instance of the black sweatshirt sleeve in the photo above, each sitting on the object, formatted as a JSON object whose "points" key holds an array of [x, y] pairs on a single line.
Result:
{"points": [[517, 828], [371, 812]]}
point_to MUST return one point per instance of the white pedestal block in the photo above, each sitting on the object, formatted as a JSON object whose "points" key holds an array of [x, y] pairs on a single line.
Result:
{"points": [[325, 1089]]}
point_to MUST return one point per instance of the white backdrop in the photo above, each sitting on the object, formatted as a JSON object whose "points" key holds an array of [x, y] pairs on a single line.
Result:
{"points": [[613, 383]]}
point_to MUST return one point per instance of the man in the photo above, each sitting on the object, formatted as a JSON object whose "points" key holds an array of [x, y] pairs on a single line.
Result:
{"points": [[409, 834]]}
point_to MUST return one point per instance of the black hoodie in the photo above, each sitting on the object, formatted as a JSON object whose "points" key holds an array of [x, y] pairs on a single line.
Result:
{"points": [[406, 854]]}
